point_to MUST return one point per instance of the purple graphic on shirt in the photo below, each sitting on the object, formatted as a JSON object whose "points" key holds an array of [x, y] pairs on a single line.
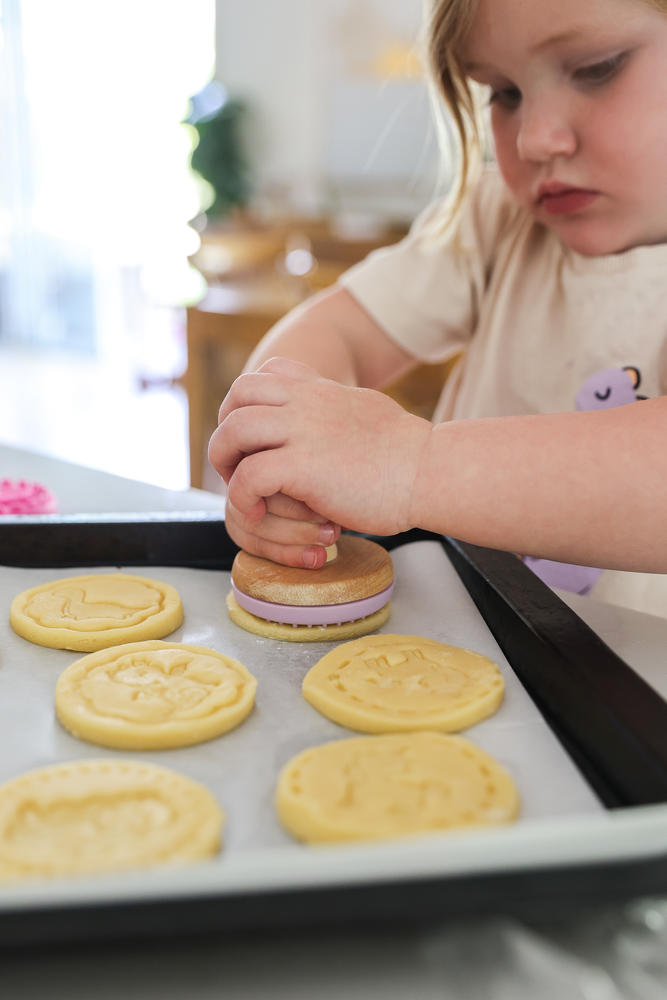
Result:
{"points": [[564, 576], [611, 387], [602, 391]]}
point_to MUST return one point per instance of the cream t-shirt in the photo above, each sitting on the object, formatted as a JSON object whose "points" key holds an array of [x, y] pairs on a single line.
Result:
{"points": [[541, 329]]}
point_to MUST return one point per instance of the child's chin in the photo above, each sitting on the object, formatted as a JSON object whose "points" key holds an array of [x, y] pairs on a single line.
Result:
{"points": [[598, 240], [595, 246]]}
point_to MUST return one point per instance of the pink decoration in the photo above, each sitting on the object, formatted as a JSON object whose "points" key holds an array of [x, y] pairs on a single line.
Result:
{"points": [[19, 497]]}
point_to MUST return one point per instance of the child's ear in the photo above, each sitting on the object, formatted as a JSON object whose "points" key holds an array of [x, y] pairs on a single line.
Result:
{"points": [[635, 376]]}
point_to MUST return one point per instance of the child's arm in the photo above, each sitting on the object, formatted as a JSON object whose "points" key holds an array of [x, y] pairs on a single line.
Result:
{"points": [[335, 335], [339, 339], [587, 487]]}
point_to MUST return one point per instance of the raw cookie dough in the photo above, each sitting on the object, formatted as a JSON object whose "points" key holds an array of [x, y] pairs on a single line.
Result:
{"points": [[305, 633], [86, 613], [153, 695], [101, 815], [403, 784], [398, 683]]}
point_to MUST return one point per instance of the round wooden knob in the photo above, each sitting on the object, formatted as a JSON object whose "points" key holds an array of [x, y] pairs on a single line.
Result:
{"points": [[361, 569]]}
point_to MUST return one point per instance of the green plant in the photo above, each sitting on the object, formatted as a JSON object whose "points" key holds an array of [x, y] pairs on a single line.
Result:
{"points": [[220, 158]]}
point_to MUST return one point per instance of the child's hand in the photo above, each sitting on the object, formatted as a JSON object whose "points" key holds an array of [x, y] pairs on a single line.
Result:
{"points": [[289, 532], [351, 454]]}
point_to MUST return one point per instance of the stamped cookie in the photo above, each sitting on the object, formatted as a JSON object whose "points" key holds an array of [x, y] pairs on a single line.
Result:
{"points": [[153, 695], [103, 815], [398, 683], [372, 787], [86, 613]]}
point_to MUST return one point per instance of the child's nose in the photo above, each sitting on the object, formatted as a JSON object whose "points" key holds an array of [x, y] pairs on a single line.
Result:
{"points": [[546, 130]]}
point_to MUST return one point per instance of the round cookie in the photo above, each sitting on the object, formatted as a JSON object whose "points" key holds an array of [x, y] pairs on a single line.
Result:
{"points": [[103, 815], [87, 613], [399, 683], [372, 787], [153, 695], [304, 633]]}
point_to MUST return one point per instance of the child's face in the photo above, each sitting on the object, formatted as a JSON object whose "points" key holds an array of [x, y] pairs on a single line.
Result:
{"points": [[579, 114]]}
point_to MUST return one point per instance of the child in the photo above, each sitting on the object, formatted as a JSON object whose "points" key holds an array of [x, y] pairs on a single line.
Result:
{"points": [[551, 278]]}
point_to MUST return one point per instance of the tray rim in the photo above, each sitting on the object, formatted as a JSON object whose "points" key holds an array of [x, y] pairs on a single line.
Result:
{"points": [[181, 902], [549, 843]]}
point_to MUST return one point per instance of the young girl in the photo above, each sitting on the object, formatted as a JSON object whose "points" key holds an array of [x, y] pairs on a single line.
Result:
{"points": [[551, 280]]}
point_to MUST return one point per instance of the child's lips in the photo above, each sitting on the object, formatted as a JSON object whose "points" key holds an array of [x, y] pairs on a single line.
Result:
{"points": [[565, 200]]}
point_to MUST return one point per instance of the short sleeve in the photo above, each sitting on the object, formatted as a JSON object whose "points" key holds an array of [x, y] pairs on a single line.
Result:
{"points": [[425, 291]]}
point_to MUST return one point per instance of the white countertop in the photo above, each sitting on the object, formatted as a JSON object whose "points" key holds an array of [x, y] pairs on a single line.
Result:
{"points": [[80, 490], [612, 955]]}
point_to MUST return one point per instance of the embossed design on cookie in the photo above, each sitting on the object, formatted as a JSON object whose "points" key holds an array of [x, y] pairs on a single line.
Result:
{"points": [[95, 603], [87, 613], [392, 683], [101, 815], [154, 695], [394, 785]]}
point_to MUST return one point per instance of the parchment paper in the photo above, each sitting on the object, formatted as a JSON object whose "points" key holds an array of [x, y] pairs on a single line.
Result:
{"points": [[240, 768]]}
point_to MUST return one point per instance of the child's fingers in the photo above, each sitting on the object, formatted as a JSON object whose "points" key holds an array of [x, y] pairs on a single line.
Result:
{"points": [[280, 539], [301, 556], [284, 506], [241, 433], [253, 388], [283, 529], [270, 385], [255, 477]]}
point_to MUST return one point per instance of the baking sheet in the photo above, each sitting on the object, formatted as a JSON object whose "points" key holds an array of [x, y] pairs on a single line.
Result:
{"points": [[240, 768]]}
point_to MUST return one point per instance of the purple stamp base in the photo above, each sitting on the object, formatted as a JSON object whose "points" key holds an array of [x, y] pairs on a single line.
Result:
{"points": [[318, 614]]}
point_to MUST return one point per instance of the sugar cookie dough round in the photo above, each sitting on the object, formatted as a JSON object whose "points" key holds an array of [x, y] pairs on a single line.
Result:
{"points": [[86, 613], [102, 815], [398, 683], [153, 695], [305, 633], [396, 785]]}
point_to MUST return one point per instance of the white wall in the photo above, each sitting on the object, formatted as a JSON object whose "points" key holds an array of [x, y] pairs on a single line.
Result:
{"points": [[324, 127]]}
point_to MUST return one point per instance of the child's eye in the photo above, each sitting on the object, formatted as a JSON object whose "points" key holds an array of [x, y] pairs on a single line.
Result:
{"points": [[507, 97], [602, 71]]}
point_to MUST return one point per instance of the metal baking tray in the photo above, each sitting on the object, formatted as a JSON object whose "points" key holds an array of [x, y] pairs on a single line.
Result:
{"points": [[584, 731]]}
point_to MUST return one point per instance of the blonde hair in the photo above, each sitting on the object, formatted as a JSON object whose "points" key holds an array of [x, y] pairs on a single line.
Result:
{"points": [[446, 25]]}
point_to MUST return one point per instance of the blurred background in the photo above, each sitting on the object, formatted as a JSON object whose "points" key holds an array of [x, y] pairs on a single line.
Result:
{"points": [[174, 177]]}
